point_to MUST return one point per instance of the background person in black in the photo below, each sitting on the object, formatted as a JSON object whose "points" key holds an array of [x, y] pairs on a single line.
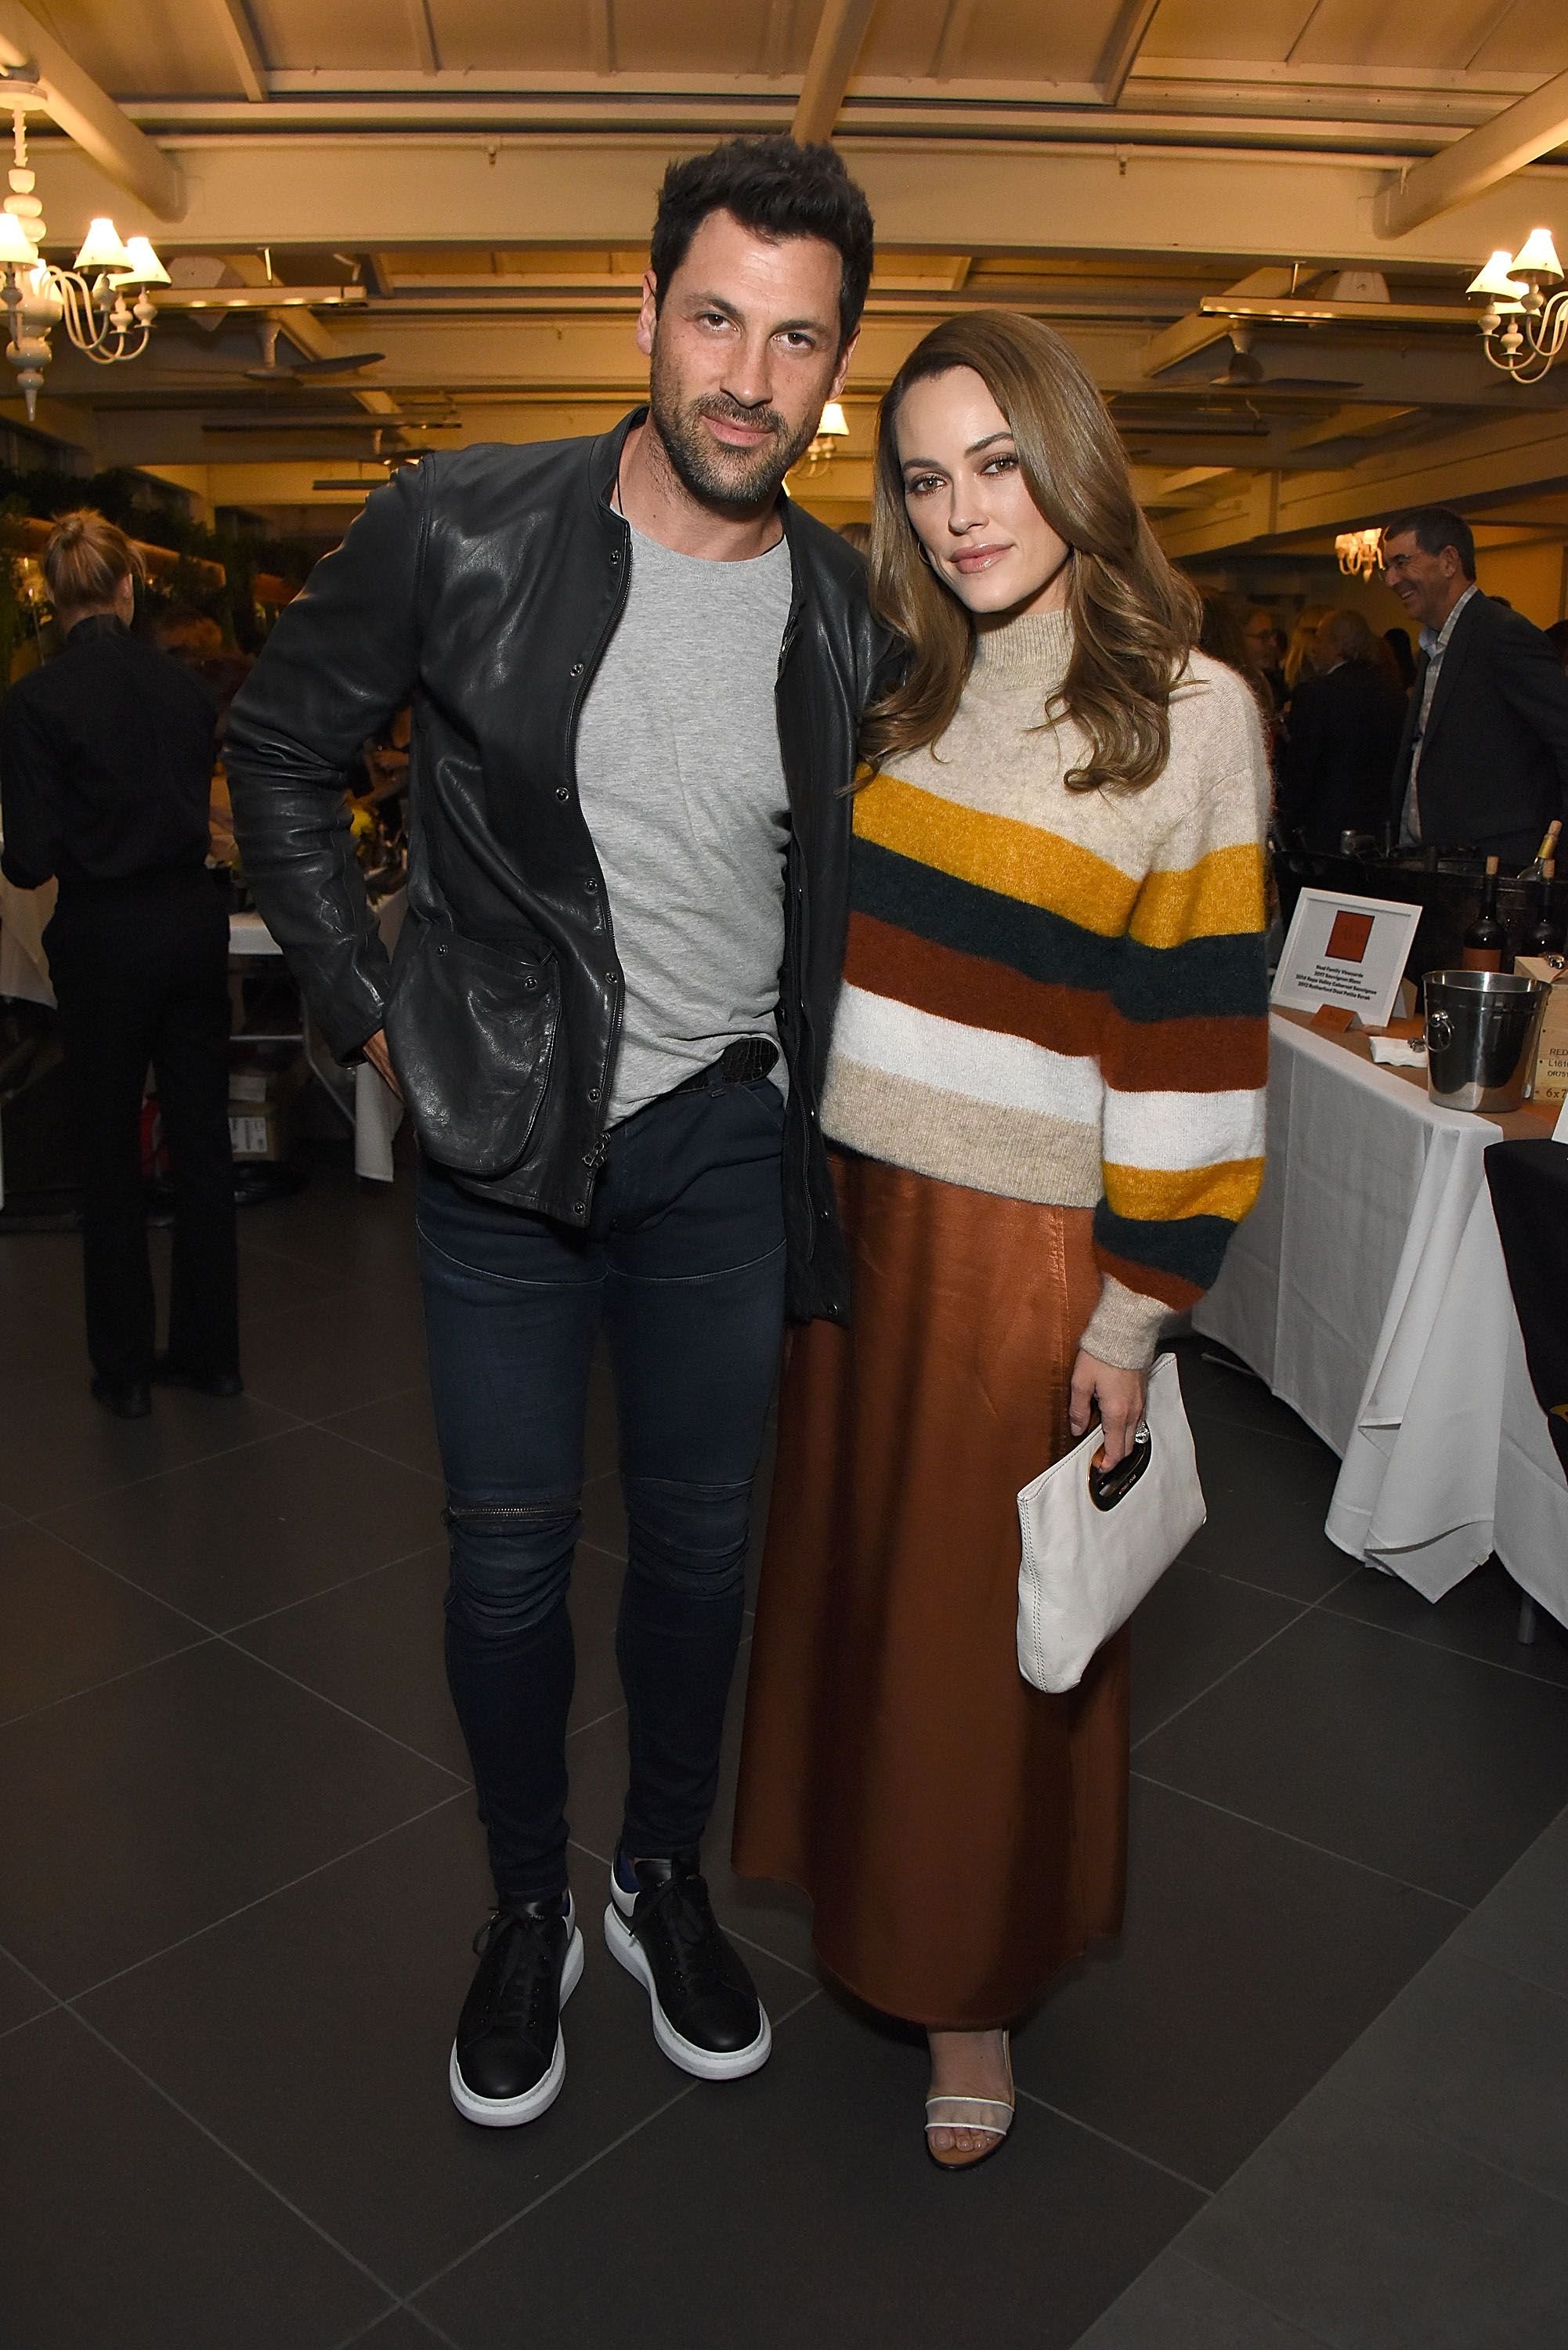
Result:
{"points": [[105, 761], [1483, 764], [1344, 738]]}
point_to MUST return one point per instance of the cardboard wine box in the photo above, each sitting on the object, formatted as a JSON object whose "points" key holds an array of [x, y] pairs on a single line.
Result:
{"points": [[1548, 1084]]}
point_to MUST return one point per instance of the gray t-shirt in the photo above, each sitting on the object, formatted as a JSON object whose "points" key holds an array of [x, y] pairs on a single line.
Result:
{"points": [[683, 789]]}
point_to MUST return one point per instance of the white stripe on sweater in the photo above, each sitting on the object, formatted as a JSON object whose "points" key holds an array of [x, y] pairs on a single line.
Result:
{"points": [[1175, 1132], [882, 1033]]}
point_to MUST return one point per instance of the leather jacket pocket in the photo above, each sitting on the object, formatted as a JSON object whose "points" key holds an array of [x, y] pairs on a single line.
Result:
{"points": [[471, 1030]]}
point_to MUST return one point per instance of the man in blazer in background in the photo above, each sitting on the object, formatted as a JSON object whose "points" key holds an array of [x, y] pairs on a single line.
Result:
{"points": [[1483, 764]]}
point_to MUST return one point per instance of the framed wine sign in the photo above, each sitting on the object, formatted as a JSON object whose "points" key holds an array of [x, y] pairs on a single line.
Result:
{"points": [[1349, 952]]}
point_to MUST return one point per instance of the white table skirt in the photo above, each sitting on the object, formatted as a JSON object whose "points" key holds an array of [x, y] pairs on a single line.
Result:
{"points": [[372, 1108], [1369, 1290]]}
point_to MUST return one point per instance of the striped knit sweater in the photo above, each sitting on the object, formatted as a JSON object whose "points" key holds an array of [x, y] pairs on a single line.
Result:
{"points": [[1060, 995]]}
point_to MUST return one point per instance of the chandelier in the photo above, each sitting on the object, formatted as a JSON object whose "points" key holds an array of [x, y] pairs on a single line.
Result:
{"points": [[87, 299], [1524, 327], [822, 447], [1360, 552]]}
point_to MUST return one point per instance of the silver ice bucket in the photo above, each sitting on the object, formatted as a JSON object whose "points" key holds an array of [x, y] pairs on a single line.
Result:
{"points": [[1482, 1027]]}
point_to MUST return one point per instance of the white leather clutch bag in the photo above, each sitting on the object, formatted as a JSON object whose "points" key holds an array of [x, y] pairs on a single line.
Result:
{"points": [[1095, 1543]]}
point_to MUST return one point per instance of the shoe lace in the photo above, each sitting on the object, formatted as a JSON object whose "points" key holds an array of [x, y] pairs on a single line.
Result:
{"points": [[520, 1986], [691, 1932]]}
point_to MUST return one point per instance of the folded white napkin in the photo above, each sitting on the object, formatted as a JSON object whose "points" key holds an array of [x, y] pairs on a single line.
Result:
{"points": [[1398, 1053]]}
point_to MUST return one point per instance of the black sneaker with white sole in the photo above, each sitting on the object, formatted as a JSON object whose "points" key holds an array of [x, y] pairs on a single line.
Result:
{"points": [[509, 2059], [707, 2017]]}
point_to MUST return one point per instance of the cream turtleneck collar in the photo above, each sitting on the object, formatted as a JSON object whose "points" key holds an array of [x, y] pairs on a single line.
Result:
{"points": [[1033, 649]]}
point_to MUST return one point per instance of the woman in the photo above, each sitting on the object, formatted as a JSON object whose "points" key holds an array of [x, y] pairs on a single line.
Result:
{"points": [[105, 761], [1044, 1091], [1301, 653], [1336, 767]]}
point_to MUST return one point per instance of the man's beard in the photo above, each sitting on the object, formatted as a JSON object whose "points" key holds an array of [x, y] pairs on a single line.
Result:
{"points": [[720, 476]]}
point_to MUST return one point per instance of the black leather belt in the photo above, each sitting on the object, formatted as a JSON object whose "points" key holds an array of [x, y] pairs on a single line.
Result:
{"points": [[740, 1064]]}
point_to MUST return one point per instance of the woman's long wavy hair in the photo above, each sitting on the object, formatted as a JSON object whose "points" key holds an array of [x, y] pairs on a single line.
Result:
{"points": [[1135, 620]]}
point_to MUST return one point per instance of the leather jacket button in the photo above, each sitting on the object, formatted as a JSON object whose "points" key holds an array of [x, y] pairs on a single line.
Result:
{"points": [[578, 669], [593, 1093], [562, 792], [591, 886]]}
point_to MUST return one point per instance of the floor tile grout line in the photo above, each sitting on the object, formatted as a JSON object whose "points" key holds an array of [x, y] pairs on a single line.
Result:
{"points": [[460, 1784], [213, 1925], [1467, 1656], [1205, 2268], [129, 1672], [175, 1467], [516, 2218], [119, 1575], [327, 1590], [1132, 2153], [1305, 1609], [28, 2020], [376, 1452], [1369, 1867], [598, 1722], [1495, 1966], [1268, 1590], [94, 2031]]}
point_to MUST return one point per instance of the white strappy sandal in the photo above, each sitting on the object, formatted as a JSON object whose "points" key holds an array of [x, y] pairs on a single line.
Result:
{"points": [[992, 2116]]}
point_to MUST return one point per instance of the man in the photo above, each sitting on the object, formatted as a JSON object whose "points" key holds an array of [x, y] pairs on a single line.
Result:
{"points": [[1483, 764], [637, 674], [1265, 645]]}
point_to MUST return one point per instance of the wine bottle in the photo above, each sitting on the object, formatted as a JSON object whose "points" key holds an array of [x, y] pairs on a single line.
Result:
{"points": [[1546, 853], [1546, 932], [1486, 941]]}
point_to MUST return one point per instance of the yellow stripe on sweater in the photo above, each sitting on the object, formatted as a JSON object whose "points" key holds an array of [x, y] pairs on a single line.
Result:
{"points": [[1217, 897], [1151, 1196], [996, 852]]}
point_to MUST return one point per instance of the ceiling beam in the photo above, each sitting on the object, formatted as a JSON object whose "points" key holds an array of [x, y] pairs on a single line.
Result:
{"points": [[422, 31], [840, 35], [601, 35], [1480, 160], [89, 116], [777, 34], [383, 189], [238, 36], [951, 41], [1123, 43]]}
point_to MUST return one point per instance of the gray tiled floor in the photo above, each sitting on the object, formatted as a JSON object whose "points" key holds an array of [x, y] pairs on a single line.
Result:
{"points": [[1313, 2096]]}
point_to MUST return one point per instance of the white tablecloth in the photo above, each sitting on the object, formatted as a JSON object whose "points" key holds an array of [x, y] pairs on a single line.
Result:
{"points": [[369, 1105], [1369, 1290]]}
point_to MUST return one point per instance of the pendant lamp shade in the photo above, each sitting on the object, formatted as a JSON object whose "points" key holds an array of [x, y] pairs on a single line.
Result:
{"points": [[145, 268], [101, 247]]}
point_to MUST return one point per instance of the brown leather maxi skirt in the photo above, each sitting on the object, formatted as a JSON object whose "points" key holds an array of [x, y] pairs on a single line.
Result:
{"points": [[960, 1834]]}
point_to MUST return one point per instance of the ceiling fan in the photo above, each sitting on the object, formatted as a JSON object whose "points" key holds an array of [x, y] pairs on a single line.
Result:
{"points": [[306, 370], [1244, 371]]}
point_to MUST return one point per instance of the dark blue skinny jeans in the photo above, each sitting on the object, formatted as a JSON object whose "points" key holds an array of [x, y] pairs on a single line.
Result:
{"points": [[681, 1268]]}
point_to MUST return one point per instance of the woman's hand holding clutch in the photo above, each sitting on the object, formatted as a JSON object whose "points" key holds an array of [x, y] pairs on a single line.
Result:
{"points": [[1119, 1395]]}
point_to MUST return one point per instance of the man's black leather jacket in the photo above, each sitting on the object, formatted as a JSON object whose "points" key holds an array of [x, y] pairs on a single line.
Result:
{"points": [[483, 586]]}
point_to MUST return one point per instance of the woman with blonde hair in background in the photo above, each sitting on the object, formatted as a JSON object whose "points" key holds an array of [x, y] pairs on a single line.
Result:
{"points": [[1046, 1098], [106, 764], [1301, 652]]}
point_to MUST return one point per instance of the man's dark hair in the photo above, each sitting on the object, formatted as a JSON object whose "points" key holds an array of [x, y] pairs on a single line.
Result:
{"points": [[776, 189], [1436, 528]]}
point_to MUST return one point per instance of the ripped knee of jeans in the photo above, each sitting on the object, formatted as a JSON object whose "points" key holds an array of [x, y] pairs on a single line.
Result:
{"points": [[510, 1562], [689, 1537]]}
